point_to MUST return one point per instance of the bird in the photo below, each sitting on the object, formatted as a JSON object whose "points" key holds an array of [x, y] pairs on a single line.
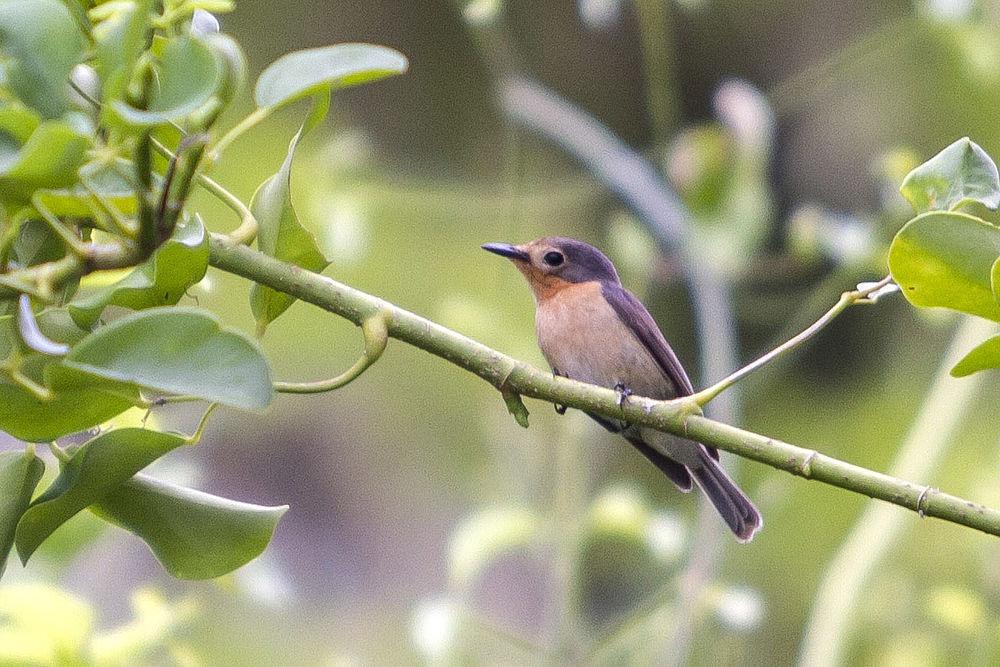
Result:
{"points": [[590, 328]]}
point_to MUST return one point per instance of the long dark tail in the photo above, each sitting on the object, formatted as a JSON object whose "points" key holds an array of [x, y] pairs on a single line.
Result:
{"points": [[732, 504]]}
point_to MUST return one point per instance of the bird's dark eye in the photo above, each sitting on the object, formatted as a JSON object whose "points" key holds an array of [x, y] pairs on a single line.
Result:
{"points": [[553, 258]]}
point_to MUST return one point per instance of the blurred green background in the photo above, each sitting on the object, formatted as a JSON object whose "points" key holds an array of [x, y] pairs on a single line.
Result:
{"points": [[425, 525]]}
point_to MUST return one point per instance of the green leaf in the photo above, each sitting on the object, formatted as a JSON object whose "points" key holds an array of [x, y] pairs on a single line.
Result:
{"points": [[74, 407], [281, 235], [945, 260], [45, 43], [302, 73], [76, 202], [231, 55], [17, 122], [78, 401], [189, 74], [181, 351], [194, 535], [19, 475], [36, 243], [161, 280], [983, 357], [121, 33], [960, 174], [49, 159], [94, 470]]}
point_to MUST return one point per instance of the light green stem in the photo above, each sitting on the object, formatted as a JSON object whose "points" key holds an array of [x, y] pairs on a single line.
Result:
{"points": [[376, 335], [59, 453], [878, 529], [847, 299], [234, 133], [199, 430]]}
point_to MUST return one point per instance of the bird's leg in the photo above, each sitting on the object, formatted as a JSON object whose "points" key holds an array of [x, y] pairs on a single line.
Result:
{"points": [[623, 393], [560, 409]]}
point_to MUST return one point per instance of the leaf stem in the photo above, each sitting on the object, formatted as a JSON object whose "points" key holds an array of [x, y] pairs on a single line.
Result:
{"points": [[59, 453], [847, 299], [72, 243], [199, 430], [376, 334], [101, 207], [247, 231], [238, 129]]}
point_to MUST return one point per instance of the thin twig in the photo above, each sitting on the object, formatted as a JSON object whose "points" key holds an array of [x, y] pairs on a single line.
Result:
{"points": [[376, 334], [247, 230], [847, 299]]}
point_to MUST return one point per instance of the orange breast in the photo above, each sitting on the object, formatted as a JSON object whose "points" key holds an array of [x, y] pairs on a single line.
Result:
{"points": [[582, 337]]}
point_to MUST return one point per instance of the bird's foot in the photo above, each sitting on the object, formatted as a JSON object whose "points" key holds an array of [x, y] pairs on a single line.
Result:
{"points": [[623, 393], [560, 409]]}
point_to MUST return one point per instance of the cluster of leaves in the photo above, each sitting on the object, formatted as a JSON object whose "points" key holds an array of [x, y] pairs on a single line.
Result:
{"points": [[109, 116], [948, 256]]}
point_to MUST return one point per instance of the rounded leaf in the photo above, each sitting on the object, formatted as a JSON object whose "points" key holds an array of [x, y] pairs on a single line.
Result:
{"points": [[195, 535], [945, 260], [76, 200], [959, 174], [44, 43], [189, 74], [162, 280], [302, 73], [180, 351], [97, 468], [49, 159], [77, 401]]}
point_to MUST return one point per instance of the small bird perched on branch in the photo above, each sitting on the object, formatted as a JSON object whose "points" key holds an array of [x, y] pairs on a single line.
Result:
{"points": [[592, 329]]}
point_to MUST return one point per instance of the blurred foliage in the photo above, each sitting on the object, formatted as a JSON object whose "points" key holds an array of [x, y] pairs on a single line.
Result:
{"points": [[42, 625]]}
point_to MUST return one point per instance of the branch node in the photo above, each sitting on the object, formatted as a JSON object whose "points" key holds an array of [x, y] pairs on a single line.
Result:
{"points": [[805, 470], [921, 507]]}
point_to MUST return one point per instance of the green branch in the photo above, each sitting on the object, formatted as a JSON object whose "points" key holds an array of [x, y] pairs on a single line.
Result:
{"points": [[508, 374]]}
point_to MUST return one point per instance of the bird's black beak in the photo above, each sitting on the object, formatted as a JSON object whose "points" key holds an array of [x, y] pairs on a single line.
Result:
{"points": [[507, 250]]}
